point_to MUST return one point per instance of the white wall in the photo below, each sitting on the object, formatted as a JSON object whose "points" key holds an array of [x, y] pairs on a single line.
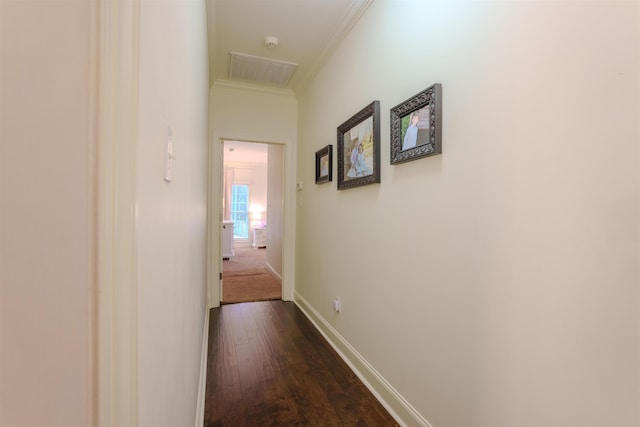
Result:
{"points": [[45, 214], [249, 114], [496, 284], [171, 217]]}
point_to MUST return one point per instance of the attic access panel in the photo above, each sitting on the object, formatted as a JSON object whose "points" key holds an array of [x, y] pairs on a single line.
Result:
{"points": [[260, 70]]}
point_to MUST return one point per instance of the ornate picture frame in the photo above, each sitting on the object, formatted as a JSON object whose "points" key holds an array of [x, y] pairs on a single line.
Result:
{"points": [[324, 165], [416, 126], [359, 148]]}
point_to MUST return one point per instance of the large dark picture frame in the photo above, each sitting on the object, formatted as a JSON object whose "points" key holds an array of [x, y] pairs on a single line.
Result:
{"points": [[324, 164], [416, 126], [359, 148]]}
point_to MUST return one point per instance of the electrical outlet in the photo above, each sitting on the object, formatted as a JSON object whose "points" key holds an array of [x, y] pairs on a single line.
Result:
{"points": [[337, 304]]}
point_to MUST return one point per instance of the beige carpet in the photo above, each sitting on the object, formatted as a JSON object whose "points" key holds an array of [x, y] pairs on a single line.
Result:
{"points": [[245, 278]]}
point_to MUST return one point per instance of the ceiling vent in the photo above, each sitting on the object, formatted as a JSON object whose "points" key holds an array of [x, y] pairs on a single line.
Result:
{"points": [[260, 70]]}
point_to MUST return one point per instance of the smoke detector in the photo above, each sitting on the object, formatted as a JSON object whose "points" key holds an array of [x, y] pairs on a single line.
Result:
{"points": [[271, 42]]}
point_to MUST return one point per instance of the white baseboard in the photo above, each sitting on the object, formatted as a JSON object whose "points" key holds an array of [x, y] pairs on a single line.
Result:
{"points": [[203, 372], [398, 407], [274, 273]]}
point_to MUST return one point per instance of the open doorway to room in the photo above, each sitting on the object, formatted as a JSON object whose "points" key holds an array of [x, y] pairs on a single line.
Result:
{"points": [[252, 221]]}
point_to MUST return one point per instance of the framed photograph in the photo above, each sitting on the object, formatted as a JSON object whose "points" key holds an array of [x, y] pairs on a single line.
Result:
{"points": [[324, 164], [416, 126], [359, 148]]}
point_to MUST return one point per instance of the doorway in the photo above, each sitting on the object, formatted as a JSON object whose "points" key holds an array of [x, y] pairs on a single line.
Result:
{"points": [[251, 237]]}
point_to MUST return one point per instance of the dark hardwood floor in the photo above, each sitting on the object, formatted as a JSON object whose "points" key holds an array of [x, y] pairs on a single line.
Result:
{"points": [[268, 366]]}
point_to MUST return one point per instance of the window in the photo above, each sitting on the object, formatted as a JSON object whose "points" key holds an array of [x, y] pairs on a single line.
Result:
{"points": [[240, 211]]}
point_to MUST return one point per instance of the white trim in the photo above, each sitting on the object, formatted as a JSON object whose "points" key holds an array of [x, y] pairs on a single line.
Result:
{"points": [[117, 135], [93, 303], [398, 407], [289, 223], [215, 170], [202, 387], [211, 37]]}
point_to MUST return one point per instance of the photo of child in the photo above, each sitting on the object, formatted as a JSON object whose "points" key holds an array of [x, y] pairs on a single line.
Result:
{"points": [[415, 129]]}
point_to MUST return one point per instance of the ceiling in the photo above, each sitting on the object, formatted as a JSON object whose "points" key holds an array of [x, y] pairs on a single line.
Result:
{"points": [[307, 32]]}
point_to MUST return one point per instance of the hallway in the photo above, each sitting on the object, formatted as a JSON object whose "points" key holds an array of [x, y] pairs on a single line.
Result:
{"points": [[268, 366]]}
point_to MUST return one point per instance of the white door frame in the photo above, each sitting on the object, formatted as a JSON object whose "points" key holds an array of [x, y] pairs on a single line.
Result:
{"points": [[214, 217], [222, 141], [114, 100]]}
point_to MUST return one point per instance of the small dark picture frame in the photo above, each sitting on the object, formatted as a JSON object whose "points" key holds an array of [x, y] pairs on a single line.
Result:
{"points": [[416, 126], [359, 148], [324, 164]]}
